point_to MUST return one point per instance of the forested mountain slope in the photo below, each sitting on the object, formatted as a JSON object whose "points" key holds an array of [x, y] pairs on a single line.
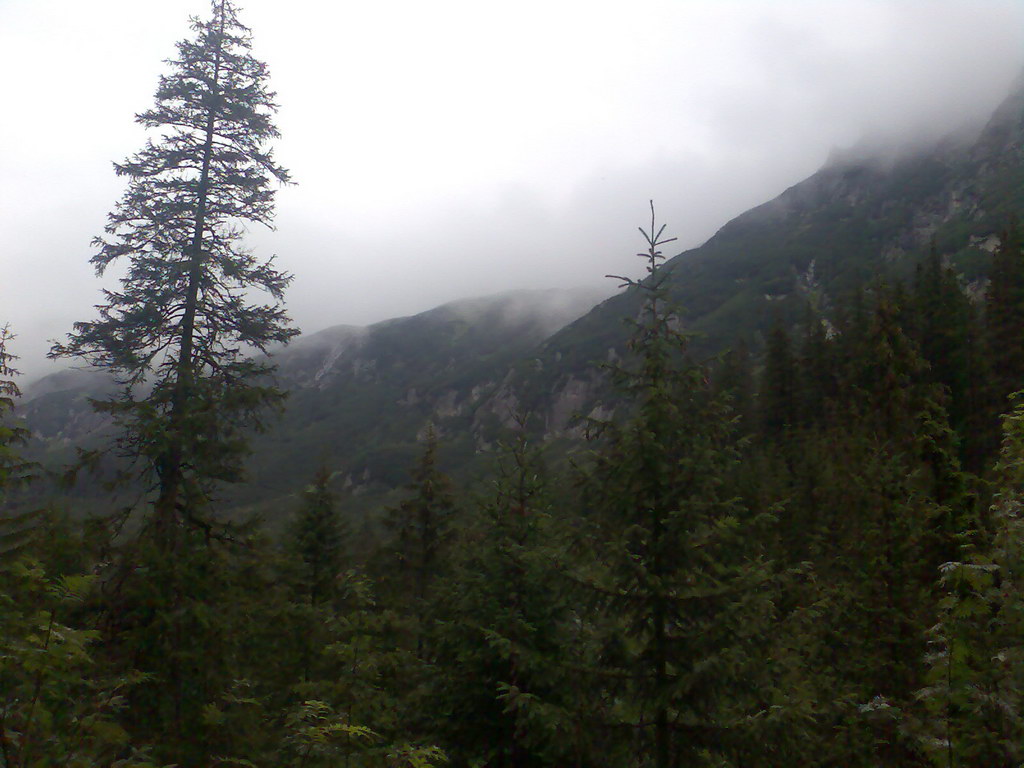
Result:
{"points": [[361, 398], [860, 217]]}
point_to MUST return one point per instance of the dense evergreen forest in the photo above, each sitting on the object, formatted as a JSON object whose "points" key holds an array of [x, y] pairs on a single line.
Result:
{"points": [[802, 552]]}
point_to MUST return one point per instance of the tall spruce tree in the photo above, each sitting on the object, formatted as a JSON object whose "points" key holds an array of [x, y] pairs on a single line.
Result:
{"points": [[815, 371], [177, 331], [420, 529], [975, 695], [1004, 330], [16, 528], [682, 587], [507, 622], [319, 539], [734, 375], [13, 468], [778, 396], [1004, 315], [941, 315]]}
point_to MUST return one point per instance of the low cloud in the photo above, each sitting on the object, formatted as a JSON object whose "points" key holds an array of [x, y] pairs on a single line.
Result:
{"points": [[468, 150]]}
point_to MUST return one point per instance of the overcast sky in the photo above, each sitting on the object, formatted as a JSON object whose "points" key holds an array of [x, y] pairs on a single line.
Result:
{"points": [[460, 147]]}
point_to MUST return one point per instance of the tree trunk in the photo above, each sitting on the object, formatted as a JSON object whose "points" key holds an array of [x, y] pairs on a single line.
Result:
{"points": [[170, 464]]}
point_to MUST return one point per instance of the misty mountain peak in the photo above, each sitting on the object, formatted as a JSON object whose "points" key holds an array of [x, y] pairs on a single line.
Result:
{"points": [[1004, 132]]}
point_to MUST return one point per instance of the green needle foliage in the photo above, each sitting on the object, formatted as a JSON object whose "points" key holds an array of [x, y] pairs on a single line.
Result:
{"points": [[501, 651], [13, 469], [319, 539], [177, 331], [420, 535], [976, 692], [683, 594], [16, 528], [56, 708]]}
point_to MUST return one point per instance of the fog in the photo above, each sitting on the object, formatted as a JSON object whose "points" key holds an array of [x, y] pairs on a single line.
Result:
{"points": [[460, 148]]}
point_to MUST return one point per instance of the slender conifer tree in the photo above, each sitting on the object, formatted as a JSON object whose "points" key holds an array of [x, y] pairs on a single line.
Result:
{"points": [[177, 331], [12, 467], [680, 582]]}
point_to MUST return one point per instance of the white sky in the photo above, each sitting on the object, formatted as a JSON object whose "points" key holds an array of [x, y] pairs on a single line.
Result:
{"points": [[462, 147]]}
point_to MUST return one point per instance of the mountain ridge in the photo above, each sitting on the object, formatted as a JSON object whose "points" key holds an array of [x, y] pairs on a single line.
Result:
{"points": [[823, 237], [362, 397]]}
